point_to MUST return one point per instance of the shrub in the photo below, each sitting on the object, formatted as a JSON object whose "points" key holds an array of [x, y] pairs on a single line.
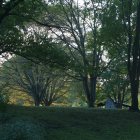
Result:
{"points": [[3, 102], [21, 130], [4, 98]]}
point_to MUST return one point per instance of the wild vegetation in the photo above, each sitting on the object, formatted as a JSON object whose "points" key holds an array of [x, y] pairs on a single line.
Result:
{"points": [[70, 53], [87, 41]]}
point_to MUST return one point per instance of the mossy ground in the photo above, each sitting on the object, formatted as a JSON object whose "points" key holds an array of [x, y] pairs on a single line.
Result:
{"points": [[54, 123]]}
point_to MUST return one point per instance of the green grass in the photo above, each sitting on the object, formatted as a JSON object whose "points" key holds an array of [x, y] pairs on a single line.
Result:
{"points": [[32, 123]]}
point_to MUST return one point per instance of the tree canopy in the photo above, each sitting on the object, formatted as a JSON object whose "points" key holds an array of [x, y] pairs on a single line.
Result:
{"points": [[95, 42]]}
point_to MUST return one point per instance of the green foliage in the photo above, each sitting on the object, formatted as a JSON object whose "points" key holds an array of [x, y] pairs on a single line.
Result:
{"points": [[76, 97], [84, 39], [42, 83], [20, 98], [115, 82], [4, 97], [15, 17]]}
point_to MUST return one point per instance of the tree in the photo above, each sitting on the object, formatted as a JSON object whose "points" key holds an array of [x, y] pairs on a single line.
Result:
{"points": [[43, 84], [78, 27], [133, 45], [124, 16], [15, 18]]}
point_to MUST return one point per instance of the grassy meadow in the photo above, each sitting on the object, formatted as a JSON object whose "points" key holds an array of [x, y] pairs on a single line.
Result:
{"points": [[53, 123]]}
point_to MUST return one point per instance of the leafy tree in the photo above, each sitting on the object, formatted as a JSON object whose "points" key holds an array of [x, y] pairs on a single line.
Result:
{"points": [[78, 27], [132, 28], [43, 84], [122, 32]]}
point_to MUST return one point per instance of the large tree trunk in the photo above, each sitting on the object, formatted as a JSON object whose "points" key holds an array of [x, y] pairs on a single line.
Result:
{"points": [[134, 95], [89, 85], [134, 64], [37, 103]]}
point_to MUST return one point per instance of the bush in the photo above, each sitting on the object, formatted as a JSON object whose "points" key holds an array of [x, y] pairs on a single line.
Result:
{"points": [[21, 130], [3, 98], [3, 102]]}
